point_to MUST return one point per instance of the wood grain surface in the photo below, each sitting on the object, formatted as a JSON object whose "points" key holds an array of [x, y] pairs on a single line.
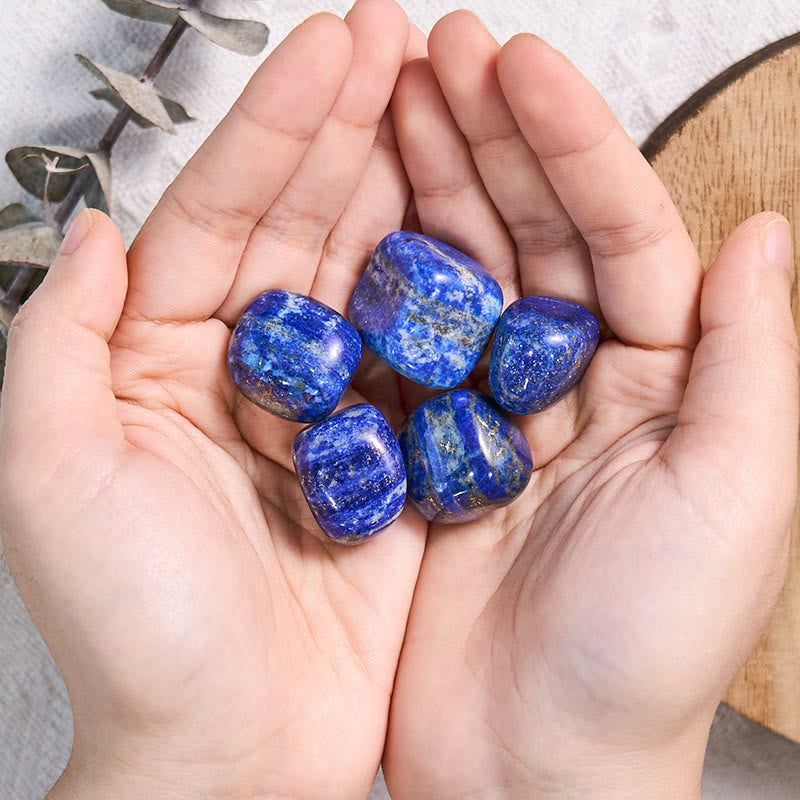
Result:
{"points": [[730, 151]]}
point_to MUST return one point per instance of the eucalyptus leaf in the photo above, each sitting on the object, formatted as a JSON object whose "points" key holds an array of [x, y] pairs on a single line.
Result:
{"points": [[177, 113], [16, 214], [98, 193], [7, 273], [32, 164], [33, 245], [146, 9], [244, 36], [141, 97]]}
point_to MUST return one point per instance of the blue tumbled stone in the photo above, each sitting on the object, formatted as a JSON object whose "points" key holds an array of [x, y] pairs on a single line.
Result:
{"points": [[542, 347], [351, 471], [292, 355], [463, 457], [427, 309]]}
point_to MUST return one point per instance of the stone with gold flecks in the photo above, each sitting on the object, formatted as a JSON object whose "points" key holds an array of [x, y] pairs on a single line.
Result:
{"points": [[292, 355], [463, 458], [425, 308]]}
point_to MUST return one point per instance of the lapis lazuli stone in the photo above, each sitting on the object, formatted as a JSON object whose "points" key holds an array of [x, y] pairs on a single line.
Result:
{"points": [[463, 457], [427, 309], [542, 347], [351, 471], [292, 355]]}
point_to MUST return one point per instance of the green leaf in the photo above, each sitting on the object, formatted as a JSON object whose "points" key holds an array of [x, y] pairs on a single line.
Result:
{"points": [[146, 9], [240, 35], [16, 214], [31, 165], [98, 192], [34, 245], [141, 97], [244, 36], [177, 113]]}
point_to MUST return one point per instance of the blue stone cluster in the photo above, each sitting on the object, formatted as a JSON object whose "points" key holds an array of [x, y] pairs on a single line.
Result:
{"points": [[429, 312], [351, 471], [425, 308]]}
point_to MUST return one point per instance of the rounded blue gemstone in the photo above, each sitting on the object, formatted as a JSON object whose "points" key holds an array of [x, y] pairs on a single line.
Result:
{"points": [[542, 347], [463, 457], [351, 471], [292, 355], [427, 309]]}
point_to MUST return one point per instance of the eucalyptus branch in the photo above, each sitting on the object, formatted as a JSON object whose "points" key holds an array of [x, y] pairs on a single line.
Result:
{"points": [[19, 285], [109, 138], [89, 172]]}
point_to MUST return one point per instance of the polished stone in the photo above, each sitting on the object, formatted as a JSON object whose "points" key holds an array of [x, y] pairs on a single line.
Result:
{"points": [[292, 355], [542, 347], [463, 457], [427, 309], [351, 471]]}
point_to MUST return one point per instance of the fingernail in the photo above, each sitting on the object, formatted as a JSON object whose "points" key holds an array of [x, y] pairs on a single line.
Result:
{"points": [[776, 243], [77, 232]]}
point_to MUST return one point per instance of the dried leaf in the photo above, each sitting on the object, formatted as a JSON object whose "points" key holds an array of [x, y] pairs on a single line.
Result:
{"points": [[31, 165], [244, 36], [177, 113], [141, 97], [98, 193], [33, 245], [16, 214], [146, 9], [7, 273]]}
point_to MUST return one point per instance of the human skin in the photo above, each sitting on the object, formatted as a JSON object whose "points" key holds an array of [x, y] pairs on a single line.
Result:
{"points": [[574, 644], [577, 642], [213, 642]]}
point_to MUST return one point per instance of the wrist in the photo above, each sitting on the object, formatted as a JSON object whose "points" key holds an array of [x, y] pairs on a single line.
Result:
{"points": [[114, 784], [75, 784], [560, 768], [634, 776], [115, 773]]}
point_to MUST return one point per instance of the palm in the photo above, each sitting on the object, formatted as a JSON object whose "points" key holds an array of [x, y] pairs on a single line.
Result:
{"points": [[236, 637], [564, 625], [261, 612]]}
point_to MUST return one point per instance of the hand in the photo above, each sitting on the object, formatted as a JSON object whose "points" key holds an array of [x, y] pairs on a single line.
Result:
{"points": [[212, 641], [577, 642]]}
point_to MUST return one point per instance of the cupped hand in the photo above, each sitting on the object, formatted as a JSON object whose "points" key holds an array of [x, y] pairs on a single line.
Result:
{"points": [[212, 641], [576, 643]]}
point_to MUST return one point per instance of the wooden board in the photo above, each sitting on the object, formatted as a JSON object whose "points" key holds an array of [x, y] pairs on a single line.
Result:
{"points": [[731, 150]]}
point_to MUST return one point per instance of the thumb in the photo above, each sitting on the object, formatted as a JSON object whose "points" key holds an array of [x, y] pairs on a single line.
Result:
{"points": [[57, 402], [736, 438]]}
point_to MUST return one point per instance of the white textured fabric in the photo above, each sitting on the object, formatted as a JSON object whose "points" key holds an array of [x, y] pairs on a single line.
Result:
{"points": [[645, 57]]}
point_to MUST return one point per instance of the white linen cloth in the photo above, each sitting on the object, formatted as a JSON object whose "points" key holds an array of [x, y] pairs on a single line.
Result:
{"points": [[645, 57]]}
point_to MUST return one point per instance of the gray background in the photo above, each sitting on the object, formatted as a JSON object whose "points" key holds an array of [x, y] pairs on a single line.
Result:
{"points": [[645, 57]]}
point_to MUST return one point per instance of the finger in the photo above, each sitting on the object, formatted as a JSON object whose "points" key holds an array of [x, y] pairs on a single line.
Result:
{"points": [[553, 259], [737, 428], [377, 207], [59, 412], [184, 260], [285, 247], [451, 201], [417, 44], [646, 270]]}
